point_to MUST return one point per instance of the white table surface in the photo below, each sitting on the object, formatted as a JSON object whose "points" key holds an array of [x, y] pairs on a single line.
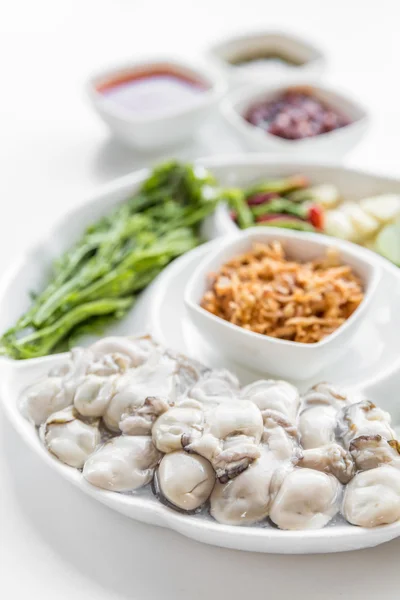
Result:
{"points": [[54, 542]]}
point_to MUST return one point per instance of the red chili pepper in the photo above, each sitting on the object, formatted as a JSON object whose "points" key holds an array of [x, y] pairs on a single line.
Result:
{"points": [[316, 216]]}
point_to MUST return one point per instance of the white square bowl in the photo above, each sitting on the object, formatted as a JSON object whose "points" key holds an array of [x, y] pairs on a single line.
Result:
{"points": [[169, 128], [268, 355], [332, 145], [312, 61]]}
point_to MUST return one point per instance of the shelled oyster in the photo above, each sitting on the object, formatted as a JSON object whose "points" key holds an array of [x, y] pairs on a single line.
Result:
{"points": [[184, 481], [372, 498], [371, 451], [331, 458], [364, 419], [70, 438], [45, 397], [93, 394], [155, 378], [245, 499], [135, 351], [280, 435], [319, 417], [328, 394], [122, 464], [173, 429], [230, 438], [317, 426], [214, 387], [304, 499], [279, 396]]}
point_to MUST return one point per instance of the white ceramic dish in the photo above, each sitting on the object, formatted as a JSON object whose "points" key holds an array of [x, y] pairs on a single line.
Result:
{"points": [[371, 361], [145, 507], [149, 132], [312, 59], [281, 358], [332, 145], [142, 505]]}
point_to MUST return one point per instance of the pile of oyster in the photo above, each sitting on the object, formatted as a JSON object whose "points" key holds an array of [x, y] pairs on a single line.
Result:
{"points": [[130, 413]]}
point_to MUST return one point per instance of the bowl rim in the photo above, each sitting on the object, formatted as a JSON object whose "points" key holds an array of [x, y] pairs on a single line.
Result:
{"points": [[217, 87], [260, 35], [319, 240], [249, 94]]}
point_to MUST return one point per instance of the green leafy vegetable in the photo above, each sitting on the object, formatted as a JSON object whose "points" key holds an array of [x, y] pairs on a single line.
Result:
{"points": [[279, 186], [280, 205], [237, 201], [96, 281]]}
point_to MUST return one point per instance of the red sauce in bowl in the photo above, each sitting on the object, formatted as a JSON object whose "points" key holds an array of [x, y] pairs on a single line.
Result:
{"points": [[295, 115], [152, 91]]}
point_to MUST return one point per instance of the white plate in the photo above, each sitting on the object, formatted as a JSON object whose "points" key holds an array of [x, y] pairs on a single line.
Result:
{"points": [[371, 358]]}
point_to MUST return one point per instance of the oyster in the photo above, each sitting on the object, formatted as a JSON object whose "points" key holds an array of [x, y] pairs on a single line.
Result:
{"points": [[280, 435], [93, 395], [188, 372], [246, 498], [69, 438], [155, 378], [371, 451], [140, 421], [123, 351], [364, 419], [331, 458], [215, 386], [303, 498], [317, 425], [372, 497], [318, 419], [85, 362], [109, 356], [184, 481], [326, 393], [44, 398], [172, 430], [274, 395], [122, 464], [231, 435]]}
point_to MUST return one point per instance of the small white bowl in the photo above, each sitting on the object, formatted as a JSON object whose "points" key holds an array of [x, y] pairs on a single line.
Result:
{"points": [[170, 127], [331, 145], [312, 59], [280, 358]]}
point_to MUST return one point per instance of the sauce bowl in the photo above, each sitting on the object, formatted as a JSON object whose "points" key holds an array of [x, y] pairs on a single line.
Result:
{"points": [[332, 145], [268, 355], [166, 125], [306, 61]]}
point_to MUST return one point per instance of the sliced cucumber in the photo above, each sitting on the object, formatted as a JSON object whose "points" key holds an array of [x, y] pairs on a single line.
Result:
{"points": [[385, 208], [388, 243]]}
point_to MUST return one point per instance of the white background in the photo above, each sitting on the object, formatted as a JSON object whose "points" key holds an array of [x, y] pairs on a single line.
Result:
{"points": [[55, 543]]}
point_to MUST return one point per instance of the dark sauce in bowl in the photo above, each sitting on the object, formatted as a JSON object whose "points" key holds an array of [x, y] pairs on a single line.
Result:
{"points": [[295, 115], [260, 57], [152, 91]]}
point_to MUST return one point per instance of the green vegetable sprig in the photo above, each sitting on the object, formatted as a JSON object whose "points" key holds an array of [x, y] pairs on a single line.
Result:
{"points": [[97, 280]]}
